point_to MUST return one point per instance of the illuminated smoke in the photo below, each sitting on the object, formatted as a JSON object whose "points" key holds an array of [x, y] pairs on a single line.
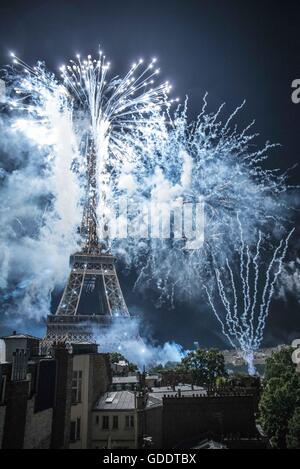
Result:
{"points": [[124, 337], [145, 152]]}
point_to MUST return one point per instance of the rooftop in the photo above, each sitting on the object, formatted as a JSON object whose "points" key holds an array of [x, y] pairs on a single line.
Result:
{"points": [[185, 390], [153, 401], [14, 335], [118, 400], [153, 377], [125, 380], [181, 387]]}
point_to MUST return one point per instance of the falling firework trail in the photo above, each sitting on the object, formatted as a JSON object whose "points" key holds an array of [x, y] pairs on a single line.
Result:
{"points": [[244, 321]]}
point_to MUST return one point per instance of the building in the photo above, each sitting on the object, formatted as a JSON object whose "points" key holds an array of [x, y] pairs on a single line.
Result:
{"points": [[174, 377], [68, 400], [114, 421], [123, 383], [46, 402], [199, 415], [120, 368], [90, 378], [172, 417], [135, 382], [15, 341], [183, 416], [153, 381], [27, 400], [235, 358]]}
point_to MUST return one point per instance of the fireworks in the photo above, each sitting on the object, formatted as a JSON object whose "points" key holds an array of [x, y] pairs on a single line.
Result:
{"points": [[147, 152], [211, 161], [118, 114], [246, 295]]}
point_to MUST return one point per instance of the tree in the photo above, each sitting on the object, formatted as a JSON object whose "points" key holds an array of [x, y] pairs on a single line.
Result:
{"points": [[280, 364], [205, 367], [280, 397], [293, 436], [115, 357], [132, 367], [277, 406]]}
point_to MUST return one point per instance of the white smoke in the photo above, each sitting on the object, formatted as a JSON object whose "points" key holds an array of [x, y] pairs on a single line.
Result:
{"points": [[39, 211], [290, 281], [164, 157], [123, 336]]}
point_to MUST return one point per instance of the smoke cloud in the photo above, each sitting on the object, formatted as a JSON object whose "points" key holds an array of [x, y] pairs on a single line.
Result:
{"points": [[290, 281], [39, 211], [124, 337], [146, 152]]}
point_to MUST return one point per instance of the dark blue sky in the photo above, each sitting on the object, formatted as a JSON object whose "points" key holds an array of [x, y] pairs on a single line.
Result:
{"points": [[232, 49]]}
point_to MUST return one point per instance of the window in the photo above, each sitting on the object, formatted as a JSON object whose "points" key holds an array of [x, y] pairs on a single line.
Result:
{"points": [[2, 388], [115, 422], [75, 430], [129, 421], [76, 386], [78, 429], [105, 422], [97, 419]]}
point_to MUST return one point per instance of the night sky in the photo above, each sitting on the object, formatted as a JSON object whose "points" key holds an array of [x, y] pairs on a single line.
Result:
{"points": [[231, 49]]}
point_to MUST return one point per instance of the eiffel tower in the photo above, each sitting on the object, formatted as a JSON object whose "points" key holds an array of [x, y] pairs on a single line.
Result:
{"points": [[92, 299]]}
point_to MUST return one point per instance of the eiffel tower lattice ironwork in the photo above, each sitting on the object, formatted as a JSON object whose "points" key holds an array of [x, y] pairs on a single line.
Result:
{"points": [[92, 297]]}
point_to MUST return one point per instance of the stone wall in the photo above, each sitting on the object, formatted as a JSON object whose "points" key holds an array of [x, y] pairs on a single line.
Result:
{"points": [[38, 427], [187, 418], [100, 379], [152, 425], [62, 406], [15, 416], [2, 418], [100, 376]]}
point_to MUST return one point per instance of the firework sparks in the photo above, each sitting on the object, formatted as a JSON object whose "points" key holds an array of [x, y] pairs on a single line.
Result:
{"points": [[118, 114], [211, 161], [244, 321], [146, 152]]}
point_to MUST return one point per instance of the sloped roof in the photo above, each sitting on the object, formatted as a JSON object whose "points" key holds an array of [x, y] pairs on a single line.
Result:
{"points": [[117, 400], [20, 336], [125, 379]]}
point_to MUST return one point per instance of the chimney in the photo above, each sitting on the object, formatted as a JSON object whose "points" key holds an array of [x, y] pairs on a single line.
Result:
{"points": [[19, 365], [139, 400]]}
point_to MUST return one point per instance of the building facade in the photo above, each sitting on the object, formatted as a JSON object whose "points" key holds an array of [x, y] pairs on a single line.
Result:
{"points": [[115, 422], [27, 401], [90, 378], [46, 402]]}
